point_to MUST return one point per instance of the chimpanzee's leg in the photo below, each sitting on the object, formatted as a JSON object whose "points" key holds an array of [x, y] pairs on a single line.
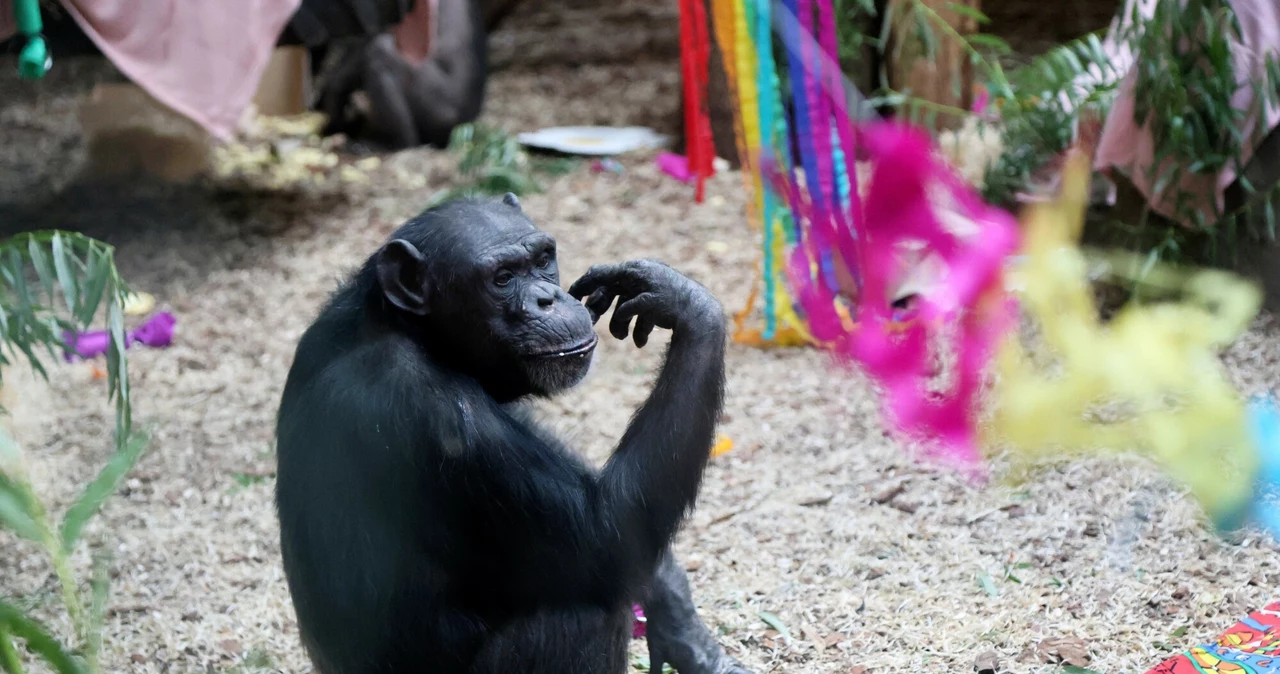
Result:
{"points": [[676, 635], [577, 640], [338, 88]]}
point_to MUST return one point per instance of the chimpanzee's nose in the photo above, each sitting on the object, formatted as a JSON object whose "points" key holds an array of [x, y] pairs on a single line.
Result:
{"points": [[542, 296]]}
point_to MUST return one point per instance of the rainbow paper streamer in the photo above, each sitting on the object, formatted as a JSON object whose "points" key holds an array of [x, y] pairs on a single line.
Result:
{"points": [[915, 201], [835, 261], [742, 33], [841, 257]]}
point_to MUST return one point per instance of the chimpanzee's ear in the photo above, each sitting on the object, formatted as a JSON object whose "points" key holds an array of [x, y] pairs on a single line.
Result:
{"points": [[511, 200], [402, 272]]}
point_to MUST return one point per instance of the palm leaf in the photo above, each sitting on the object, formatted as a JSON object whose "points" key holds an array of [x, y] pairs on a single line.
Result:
{"points": [[82, 272], [38, 640], [96, 493]]}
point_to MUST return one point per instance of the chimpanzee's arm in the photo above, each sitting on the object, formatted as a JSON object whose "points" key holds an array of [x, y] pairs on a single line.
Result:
{"points": [[553, 532], [654, 474]]}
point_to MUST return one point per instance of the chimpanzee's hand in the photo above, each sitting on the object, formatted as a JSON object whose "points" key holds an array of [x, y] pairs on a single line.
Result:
{"points": [[651, 292]]}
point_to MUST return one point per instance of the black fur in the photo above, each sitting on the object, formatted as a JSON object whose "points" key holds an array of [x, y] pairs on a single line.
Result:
{"points": [[427, 523]]}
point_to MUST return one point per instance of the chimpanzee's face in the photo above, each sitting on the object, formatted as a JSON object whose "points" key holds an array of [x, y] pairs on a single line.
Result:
{"points": [[532, 322], [480, 286]]}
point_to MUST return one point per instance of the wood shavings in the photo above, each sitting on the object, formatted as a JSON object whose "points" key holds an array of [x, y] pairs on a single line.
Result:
{"points": [[1064, 650]]}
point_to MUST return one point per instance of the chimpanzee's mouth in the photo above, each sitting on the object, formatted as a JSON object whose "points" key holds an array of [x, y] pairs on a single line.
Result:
{"points": [[580, 349]]}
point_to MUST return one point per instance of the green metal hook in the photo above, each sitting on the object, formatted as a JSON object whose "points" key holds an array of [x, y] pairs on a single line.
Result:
{"points": [[34, 61]]}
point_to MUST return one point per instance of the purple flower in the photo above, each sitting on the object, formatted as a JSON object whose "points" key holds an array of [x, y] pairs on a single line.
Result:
{"points": [[156, 332], [85, 345]]}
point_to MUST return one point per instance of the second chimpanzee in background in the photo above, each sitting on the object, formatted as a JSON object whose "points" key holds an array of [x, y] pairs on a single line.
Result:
{"points": [[412, 104], [427, 523]]}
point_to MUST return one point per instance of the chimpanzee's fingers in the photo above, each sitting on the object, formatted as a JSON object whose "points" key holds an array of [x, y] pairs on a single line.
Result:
{"points": [[640, 333], [598, 276], [598, 303], [629, 309]]}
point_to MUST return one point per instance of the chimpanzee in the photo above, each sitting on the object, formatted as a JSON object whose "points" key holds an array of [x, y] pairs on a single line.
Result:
{"points": [[427, 523], [412, 104]]}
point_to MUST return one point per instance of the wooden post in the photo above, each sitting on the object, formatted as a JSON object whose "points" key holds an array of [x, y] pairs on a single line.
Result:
{"points": [[947, 77]]}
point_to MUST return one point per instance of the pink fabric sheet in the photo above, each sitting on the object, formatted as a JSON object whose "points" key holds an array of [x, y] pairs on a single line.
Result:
{"points": [[1126, 146], [203, 58]]}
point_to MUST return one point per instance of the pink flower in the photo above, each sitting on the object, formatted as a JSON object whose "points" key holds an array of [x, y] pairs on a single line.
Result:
{"points": [[637, 627]]}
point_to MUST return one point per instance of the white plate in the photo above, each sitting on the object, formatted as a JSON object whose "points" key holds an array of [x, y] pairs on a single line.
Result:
{"points": [[595, 140]]}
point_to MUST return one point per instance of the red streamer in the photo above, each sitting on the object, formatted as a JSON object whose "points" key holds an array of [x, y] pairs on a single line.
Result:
{"points": [[695, 53]]}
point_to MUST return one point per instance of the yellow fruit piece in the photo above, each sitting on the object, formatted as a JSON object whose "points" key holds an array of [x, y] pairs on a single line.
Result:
{"points": [[139, 304]]}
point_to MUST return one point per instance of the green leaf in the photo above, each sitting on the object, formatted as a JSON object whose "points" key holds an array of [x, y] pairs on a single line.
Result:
{"points": [[65, 277], [988, 585], [39, 640], [990, 42], [98, 273], [40, 261], [776, 623], [1072, 669], [9, 662], [118, 372], [16, 514], [101, 586], [969, 11], [1269, 216], [101, 488]]}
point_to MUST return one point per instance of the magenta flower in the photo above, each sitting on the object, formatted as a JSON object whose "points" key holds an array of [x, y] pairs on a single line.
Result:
{"points": [[637, 627], [157, 332], [675, 166]]}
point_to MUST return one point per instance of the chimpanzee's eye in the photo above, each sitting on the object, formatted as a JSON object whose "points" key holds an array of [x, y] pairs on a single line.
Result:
{"points": [[544, 260], [503, 278]]}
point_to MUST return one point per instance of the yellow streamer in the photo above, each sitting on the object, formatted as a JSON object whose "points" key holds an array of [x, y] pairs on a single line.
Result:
{"points": [[1159, 361]]}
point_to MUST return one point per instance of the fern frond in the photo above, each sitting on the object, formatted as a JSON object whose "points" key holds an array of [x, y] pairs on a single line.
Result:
{"points": [[53, 283]]}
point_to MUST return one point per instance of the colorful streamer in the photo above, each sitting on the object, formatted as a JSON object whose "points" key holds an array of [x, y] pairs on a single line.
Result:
{"points": [[911, 196], [842, 257], [695, 52], [837, 260], [1159, 363]]}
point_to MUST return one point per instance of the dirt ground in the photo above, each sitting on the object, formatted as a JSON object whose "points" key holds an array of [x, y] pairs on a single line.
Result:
{"points": [[788, 524]]}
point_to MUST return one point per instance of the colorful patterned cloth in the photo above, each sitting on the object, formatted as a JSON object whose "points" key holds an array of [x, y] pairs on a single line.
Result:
{"points": [[1251, 646]]}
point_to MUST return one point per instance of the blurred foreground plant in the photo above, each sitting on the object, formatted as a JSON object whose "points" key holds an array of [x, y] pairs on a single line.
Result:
{"points": [[52, 283], [492, 163]]}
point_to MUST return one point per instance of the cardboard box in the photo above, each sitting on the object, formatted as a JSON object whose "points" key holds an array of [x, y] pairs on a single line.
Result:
{"points": [[129, 132], [285, 88]]}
